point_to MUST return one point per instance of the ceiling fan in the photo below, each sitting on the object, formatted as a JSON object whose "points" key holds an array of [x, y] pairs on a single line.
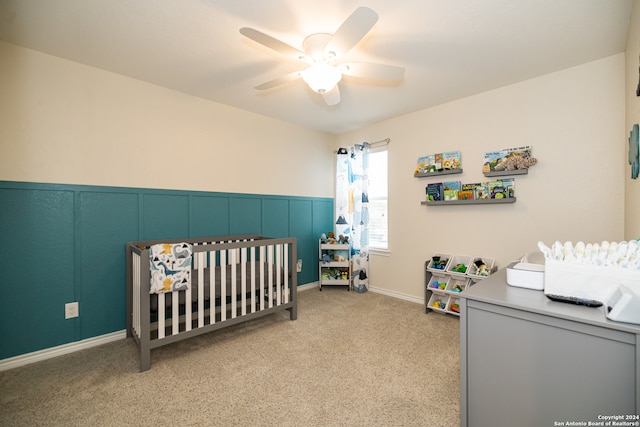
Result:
{"points": [[323, 53]]}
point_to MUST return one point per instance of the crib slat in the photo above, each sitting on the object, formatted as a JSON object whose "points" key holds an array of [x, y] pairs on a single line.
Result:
{"points": [[188, 309], [161, 314], [243, 281], [262, 258], [278, 271], [212, 287], [136, 292], [233, 262], [270, 269], [223, 285], [252, 254], [201, 264], [175, 313], [285, 261]]}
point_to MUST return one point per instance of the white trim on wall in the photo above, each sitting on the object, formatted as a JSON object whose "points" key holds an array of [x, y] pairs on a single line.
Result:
{"points": [[398, 295], [49, 353]]}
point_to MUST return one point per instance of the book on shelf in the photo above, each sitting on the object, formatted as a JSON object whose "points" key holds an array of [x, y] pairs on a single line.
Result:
{"points": [[438, 162], [426, 164], [494, 158], [481, 191], [451, 160], [450, 195], [450, 190], [467, 192], [451, 185], [495, 188], [509, 185], [498, 192], [434, 191]]}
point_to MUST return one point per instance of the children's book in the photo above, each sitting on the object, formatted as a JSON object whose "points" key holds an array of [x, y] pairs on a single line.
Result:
{"points": [[481, 191], [451, 160], [450, 194], [452, 185], [498, 192], [494, 158], [426, 164], [434, 192], [450, 190], [509, 185], [467, 192]]}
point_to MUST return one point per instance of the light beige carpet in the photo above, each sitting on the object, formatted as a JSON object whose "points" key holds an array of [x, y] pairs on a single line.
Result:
{"points": [[349, 360]]}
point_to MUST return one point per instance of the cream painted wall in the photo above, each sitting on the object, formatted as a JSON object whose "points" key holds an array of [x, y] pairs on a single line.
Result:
{"points": [[632, 187], [63, 122], [573, 119]]}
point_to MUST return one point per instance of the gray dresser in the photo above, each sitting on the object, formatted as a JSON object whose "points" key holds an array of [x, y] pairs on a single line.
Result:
{"points": [[528, 361]]}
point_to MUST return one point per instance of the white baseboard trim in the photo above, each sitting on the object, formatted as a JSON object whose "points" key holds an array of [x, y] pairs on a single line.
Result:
{"points": [[398, 295], [48, 353], [308, 286], [410, 298]]}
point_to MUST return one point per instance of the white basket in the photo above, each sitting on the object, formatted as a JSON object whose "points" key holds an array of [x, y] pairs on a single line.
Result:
{"points": [[453, 306], [430, 266], [457, 283], [438, 302], [472, 271], [438, 279], [456, 260]]}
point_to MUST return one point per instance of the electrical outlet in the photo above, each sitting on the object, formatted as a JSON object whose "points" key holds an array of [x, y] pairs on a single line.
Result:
{"points": [[299, 266], [71, 310]]}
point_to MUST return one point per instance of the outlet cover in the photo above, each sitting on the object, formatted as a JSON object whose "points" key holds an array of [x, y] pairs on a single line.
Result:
{"points": [[71, 310]]}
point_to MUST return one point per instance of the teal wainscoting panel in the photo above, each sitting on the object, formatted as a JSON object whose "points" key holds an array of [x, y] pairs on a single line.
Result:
{"points": [[245, 215], [323, 217], [37, 261], [65, 243], [165, 216], [301, 229], [209, 216], [275, 217], [107, 221]]}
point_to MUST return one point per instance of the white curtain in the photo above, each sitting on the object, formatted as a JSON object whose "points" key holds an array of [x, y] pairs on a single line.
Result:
{"points": [[352, 209]]}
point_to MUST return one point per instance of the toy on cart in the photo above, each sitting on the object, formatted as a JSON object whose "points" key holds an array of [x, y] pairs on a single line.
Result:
{"points": [[455, 307]]}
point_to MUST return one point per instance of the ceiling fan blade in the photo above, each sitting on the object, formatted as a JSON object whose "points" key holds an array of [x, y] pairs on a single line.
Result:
{"points": [[272, 43], [287, 78], [372, 71], [332, 97], [352, 31]]}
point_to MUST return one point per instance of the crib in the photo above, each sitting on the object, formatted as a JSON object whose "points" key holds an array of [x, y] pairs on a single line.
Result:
{"points": [[233, 279]]}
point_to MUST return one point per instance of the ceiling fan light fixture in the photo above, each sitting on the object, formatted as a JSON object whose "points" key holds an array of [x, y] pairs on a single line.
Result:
{"points": [[321, 77]]}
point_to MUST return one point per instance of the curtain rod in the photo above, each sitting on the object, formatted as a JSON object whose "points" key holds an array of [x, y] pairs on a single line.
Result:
{"points": [[381, 142]]}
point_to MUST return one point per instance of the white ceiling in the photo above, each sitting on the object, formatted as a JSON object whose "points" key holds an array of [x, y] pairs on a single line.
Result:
{"points": [[450, 48]]}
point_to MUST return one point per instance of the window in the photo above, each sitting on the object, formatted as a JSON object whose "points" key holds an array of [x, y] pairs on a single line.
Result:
{"points": [[378, 220]]}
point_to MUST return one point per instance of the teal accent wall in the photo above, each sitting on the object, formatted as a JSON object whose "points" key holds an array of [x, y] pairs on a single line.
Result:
{"points": [[64, 243]]}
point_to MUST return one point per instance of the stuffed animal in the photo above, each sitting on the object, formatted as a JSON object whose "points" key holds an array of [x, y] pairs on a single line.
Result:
{"points": [[483, 270], [516, 161]]}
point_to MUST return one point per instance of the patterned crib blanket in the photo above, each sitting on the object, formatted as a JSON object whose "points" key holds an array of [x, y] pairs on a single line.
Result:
{"points": [[170, 267]]}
